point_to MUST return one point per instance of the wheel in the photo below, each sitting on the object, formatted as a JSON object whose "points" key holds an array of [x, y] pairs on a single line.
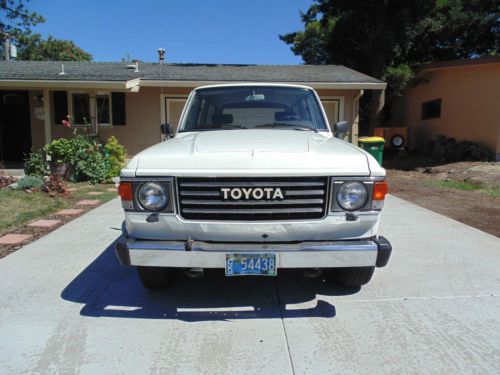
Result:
{"points": [[397, 141], [156, 277], [354, 276]]}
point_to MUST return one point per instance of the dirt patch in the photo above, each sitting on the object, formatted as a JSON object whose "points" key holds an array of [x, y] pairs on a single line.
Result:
{"points": [[467, 191]]}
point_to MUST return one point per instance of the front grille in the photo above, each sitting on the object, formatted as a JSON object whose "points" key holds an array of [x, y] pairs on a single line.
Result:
{"points": [[203, 199]]}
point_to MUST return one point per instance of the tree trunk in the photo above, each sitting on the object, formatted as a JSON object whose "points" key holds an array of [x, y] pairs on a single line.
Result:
{"points": [[377, 105]]}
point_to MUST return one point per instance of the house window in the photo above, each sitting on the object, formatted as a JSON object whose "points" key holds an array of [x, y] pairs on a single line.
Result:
{"points": [[431, 109], [103, 109], [81, 108]]}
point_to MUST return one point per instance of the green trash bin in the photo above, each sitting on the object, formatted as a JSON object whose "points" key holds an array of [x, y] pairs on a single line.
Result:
{"points": [[373, 145]]}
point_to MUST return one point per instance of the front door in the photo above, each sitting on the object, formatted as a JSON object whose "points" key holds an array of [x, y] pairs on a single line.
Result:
{"points": [[332, 111], [173, 111], [15, 127]]}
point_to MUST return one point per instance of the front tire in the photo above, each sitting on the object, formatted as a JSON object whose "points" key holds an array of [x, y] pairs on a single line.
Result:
{"points": [[156, 277], [354, 276]]}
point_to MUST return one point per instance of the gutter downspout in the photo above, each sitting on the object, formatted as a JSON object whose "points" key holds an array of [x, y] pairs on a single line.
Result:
{"points": [[355, 119]]}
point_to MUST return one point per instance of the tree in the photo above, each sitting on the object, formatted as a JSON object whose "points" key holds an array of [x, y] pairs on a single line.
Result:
{"points": [[388, 39], [15, 18], [37, 49], [16, 22]]}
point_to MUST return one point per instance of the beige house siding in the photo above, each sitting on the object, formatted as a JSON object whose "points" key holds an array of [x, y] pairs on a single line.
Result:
{"points": [[144, 116], [470, 107], [37, 125]]}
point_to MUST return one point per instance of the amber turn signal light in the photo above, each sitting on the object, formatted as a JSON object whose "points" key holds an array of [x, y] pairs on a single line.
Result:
{"points": [[379, 191], [125, 191]]}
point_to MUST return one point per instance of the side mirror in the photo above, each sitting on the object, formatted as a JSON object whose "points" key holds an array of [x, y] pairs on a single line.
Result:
{"points": [[341, 127], [167, 130]]}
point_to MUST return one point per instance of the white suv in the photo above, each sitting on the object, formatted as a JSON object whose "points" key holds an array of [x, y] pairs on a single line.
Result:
{"points": [[253, 181]]}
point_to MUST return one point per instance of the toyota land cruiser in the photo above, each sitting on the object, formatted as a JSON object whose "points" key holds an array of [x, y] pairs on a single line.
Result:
{"points": [[253, 181]]}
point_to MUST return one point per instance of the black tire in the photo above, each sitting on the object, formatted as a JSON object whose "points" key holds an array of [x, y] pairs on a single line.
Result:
{"points": [[156, 277], [354, 276]]}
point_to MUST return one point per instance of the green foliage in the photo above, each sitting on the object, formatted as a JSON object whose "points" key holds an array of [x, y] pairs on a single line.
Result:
{"points": [[17, 21], [16, 18], [84, 153], [30, 182], [92, 167], [115, 154], [60, 150], [35, 48], [35, 164], [387, 39]]}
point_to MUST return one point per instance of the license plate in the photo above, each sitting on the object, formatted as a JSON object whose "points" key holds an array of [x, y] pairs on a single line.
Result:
{"points": [[241, 264]]}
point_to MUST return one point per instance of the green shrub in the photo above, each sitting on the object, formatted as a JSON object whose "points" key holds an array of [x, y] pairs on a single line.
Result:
{"points": [[30, 182], [60, 150], [115, 154], [92, 167], [35, 164], [84, 153]]}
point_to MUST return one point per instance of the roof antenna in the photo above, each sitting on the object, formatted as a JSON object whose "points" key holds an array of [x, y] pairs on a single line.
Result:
{"points": [[61, 73], [161, 56]]}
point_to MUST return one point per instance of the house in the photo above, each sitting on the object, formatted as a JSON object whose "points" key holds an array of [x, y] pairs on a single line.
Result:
{"points": [[459, 99], [131, 101]]}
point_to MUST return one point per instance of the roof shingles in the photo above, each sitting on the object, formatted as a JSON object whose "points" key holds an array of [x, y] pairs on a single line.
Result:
{"points": [[111, 71]]}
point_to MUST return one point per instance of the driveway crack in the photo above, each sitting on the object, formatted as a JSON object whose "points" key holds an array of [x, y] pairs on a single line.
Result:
{"points": [[283, 326]]}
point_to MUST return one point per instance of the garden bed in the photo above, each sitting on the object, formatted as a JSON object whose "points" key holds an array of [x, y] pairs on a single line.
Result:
{"points": [[468, 192]]}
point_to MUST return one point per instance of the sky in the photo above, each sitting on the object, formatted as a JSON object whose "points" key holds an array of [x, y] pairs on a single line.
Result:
{"points": [[203, 31]]}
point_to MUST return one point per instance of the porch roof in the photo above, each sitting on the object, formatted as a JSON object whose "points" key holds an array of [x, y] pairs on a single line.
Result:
{"points": [[100, 74]]}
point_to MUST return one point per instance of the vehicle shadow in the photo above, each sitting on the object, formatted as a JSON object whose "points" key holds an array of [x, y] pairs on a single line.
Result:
{"points": [[107, 289]]}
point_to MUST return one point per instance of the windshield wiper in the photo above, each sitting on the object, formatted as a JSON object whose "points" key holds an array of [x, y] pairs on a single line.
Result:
{"points": [[288, 125], [232, 126], [220, 127]]}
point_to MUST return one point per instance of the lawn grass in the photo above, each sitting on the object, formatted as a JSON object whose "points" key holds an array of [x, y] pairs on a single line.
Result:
{"points": [[85, 187], [18, 207], [467, 186], [459, 185]]}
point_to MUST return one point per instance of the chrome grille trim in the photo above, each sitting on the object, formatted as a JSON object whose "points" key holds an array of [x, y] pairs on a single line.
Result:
{"points": [[304, 198], [254, 210], [246, 184], [187, 202]]}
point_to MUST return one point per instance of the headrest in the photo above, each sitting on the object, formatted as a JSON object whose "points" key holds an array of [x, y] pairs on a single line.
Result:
{"points": [[222, 119]]}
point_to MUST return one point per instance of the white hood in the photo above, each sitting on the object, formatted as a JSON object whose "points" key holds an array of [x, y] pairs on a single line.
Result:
{"points": [[253, 152]]}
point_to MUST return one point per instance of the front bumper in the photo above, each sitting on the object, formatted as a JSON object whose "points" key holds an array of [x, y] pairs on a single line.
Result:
{"points": [[311, 254]]}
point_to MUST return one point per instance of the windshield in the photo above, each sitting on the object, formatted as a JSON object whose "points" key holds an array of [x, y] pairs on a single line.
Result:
{"points": [[254, 107]]}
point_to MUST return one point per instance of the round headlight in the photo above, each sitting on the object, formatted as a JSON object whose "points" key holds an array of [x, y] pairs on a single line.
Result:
{"points": [[153, 196], [352, 195]]}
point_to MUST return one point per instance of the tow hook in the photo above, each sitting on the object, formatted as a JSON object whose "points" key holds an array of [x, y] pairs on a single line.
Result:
{"points": [[194, 273], [153, 218], [312, 273]]}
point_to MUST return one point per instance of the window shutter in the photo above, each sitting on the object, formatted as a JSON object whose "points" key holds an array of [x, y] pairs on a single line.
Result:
{"points": [[60, 99], [118, 110]]}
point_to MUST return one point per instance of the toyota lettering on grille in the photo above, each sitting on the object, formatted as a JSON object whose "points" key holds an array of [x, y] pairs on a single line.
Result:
{"points": [[251, 193]]}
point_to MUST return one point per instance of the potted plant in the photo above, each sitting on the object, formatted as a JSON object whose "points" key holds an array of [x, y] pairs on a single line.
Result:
{"points": [[60, 152]]}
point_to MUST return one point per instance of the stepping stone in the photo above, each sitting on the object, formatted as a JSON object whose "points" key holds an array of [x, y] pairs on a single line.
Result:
{"points": [[94, 193], [88, 202], [114, 190], [72, 189], [13, 239], [70, 211], [44, 223]]}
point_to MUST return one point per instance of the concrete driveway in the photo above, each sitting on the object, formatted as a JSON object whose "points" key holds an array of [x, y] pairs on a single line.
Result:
{"points": [[66, 306]]}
